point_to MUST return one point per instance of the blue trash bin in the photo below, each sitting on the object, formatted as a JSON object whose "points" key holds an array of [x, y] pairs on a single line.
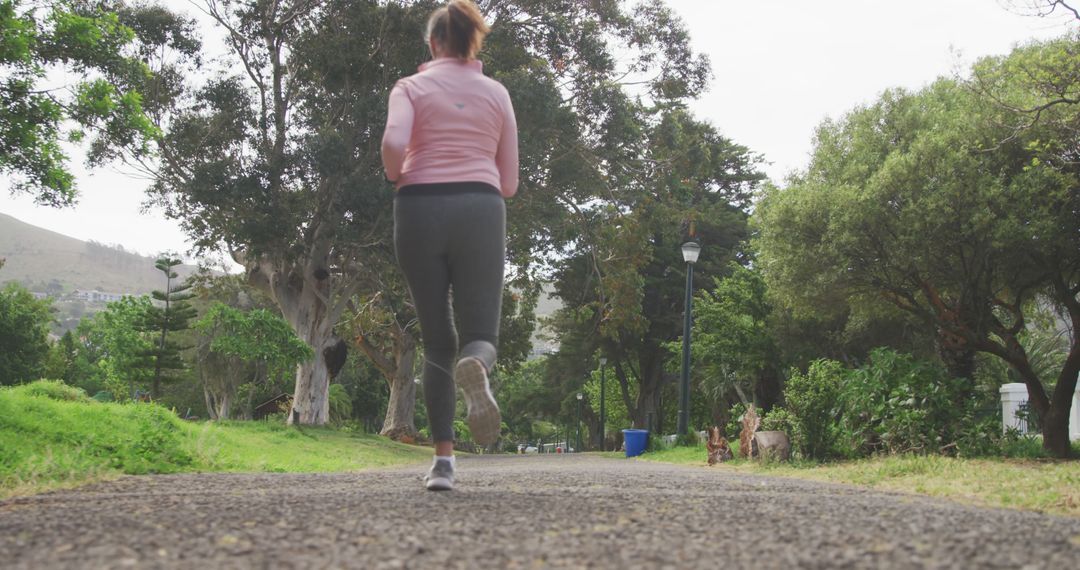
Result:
{"points": [[636, 440]]}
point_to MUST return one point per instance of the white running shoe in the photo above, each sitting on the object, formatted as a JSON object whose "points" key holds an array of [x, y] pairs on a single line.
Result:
{"points": [[483, 417], [441, 476]]}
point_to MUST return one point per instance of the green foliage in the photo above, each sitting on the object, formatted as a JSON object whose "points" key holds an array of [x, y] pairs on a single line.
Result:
{"points": [[898, 404], [24, 335], [615, 410], [340, 404], [55, 390], [734, 348], [48, 435], [50, 440], [285, 184], [813, 401], [83, 39], [731, 331], [115, 338], [254, 335], [955, 203], [104, 397], [172, 314], [779, 419], [243, 351], [733, 426], [894, 404]]}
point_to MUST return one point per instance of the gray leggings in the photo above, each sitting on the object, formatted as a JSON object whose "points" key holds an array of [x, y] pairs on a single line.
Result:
{"points": [[452, 237]]}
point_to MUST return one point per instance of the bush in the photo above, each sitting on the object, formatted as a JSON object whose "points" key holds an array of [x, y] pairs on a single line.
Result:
{"points": [[779, 419], [104, 396], [812, 401], [53, 389], [897, 403]]}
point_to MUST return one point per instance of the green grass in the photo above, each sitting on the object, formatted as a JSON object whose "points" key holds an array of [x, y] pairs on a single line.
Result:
{"points": [[53, 436], [1037, 484]]}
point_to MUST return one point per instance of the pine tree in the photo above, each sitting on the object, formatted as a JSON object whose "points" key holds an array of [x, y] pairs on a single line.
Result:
{"points": [[171, 313]]}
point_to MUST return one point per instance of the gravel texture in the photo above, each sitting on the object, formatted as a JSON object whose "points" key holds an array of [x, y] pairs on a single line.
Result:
{"points": [[518, 512]]}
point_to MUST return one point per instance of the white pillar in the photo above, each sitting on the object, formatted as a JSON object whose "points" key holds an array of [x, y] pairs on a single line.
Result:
{"points": [[1012, 397]]}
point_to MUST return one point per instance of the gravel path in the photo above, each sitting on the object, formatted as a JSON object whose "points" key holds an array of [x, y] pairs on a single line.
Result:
{"points": [[518, 512]]}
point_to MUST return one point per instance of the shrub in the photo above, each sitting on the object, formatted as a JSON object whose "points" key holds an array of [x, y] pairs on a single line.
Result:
{"points": [[779, 419], [897, 403], [812, 400], [340, 403]]}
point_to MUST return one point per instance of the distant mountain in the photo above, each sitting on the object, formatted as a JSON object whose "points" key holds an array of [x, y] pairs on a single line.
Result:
{"points": [[38, 257]]}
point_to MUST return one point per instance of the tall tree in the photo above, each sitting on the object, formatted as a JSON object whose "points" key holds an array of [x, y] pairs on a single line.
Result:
{"points": [[625, 285], [89, 41], [934, 202], [171, 314]]}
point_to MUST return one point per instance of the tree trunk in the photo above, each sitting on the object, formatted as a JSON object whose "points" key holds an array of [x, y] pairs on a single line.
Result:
{"points": [[224, 403], [1055, 430], [648, 404], [211, 406], [637, 420], [1056, 422], [401, 410], [768, 389], [311, 399], [302, 293]]}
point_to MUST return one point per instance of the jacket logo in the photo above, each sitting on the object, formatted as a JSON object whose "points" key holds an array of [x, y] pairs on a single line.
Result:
{"points": [[459, 105]]}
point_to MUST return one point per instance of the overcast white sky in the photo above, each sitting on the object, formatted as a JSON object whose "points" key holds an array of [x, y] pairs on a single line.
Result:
{"points": [[780, 66]]}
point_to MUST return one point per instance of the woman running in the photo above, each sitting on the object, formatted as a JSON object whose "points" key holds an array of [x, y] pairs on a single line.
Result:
{"points": [[450, 148]]}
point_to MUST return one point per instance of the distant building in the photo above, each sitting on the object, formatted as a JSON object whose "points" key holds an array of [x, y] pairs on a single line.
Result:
{"points": [[96, 296]]}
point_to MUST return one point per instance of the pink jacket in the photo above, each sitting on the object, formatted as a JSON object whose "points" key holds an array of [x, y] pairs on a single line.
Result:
{"points": [[451, 123]]}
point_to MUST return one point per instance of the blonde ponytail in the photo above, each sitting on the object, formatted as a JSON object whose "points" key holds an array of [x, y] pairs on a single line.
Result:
{"points": [[459, 28]]}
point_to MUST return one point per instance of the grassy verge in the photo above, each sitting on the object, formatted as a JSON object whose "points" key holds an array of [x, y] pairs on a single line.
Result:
{"points": [[53, 436], [1043, 485]]}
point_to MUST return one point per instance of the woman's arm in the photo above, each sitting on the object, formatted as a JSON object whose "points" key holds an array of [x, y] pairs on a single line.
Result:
{"points": [[399, 124], [506, 157]]}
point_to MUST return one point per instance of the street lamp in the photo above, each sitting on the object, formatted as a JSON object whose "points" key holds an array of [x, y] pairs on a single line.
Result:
{"points": [[580, 399], [603, 419], [690, 252]]}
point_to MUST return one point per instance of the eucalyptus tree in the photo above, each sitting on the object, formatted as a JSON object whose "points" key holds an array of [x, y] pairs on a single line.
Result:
{"points": [[934, 201]]}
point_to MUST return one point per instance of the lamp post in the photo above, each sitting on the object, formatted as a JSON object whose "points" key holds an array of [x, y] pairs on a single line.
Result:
{"points": [[603, 418], [580, 400], [690, 251]]}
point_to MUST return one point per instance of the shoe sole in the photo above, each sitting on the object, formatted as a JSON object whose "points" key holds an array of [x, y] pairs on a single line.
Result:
{"points": [[439, 484], [484, 419]]}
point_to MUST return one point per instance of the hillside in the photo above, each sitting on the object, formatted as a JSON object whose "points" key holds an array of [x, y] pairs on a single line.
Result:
{"points": [[36, 257]]}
